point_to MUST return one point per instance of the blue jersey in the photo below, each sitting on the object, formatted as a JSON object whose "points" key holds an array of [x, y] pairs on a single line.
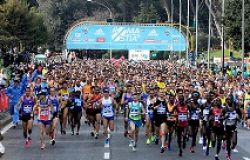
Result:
{"points": [[37, 89], [78, 103], [55, 103], [27, 105]]}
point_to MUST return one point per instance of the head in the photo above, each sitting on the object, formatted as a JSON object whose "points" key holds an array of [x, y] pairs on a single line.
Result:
{"points": [[136, 97], [27, 91], [162, 93], [105, 91], [181, 100], [171, 98], [52, 91]]}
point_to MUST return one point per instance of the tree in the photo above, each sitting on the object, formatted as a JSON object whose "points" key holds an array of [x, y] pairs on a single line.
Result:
{"points": [[21, 24], [147, 12], [233, 23]]}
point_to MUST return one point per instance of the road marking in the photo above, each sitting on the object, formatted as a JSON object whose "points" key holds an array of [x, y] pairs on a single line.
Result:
{"points": [[106, 155], [6, 128], [246, 158], [106, 145]]}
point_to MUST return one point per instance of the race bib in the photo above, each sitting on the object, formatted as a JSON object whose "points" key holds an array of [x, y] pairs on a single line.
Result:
{"points": [[134, 112], [27, 109], [44, 114], [161, 109], [195, 116], [206, 112], [78, 102], [108, 111], [182, 117]]}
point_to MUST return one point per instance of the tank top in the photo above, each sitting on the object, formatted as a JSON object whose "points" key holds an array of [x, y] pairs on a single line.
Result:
{"points": [[162, 109], [128, 98], [170, 112], [44, 113], [78, 104], [194, 114], [27, 105], [107, 108], [206, 112], [231, 119], [44, 87], [135, 110], [182, 118], [37, 89], [55, 103], [217, 113], [150, 105]]}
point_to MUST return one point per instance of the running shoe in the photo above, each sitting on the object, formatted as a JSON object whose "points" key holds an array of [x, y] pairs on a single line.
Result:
{"points": [[191, 150], [53, 142], [201, 140], [26, 144], [235, 150], [204, 148], [43, 146], [96, 135], [29, 140], [92, 134], [162, 149], [216, 157], [180, 153], [77, 133], [133, 149], [131, 143], [148, 141]]}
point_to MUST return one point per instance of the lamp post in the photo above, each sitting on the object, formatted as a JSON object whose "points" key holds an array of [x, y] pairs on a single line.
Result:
{"points": [[188, 12], [209, 34], [110, 16], [243, 35], [103, 5], [196, 30], [223, 37]]}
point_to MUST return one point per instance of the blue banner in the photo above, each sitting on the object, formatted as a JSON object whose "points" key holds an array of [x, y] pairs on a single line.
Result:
{"points": [[125, 37]]}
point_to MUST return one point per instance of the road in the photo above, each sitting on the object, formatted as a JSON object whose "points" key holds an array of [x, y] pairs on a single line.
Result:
{"points": [[85, 147]]}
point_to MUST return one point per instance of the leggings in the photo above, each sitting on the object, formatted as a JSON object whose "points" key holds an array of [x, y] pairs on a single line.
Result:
{"points": [[206, 135], [231, 137], [217, 135], [181, 137], [193, 130], [75, 119]]}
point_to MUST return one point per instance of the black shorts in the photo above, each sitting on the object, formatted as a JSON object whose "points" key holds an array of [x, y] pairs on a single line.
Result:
{"points": [[93, 112], [159, 119], [230, 128], [171, 124], [194, 123], [25, 118], [218, 130]]}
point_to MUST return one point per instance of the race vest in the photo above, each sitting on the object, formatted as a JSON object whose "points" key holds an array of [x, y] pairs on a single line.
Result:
{"points": [[161, 109], [27, 106], [205, 113], [107, 108], [44, 111], [182, 118], [55, 104], [194, 115], [231, 119], [150, 109], [135, 110], [217, 117]]}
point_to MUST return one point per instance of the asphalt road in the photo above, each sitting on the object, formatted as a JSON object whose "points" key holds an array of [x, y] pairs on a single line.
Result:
{"points": [[85, 147]]}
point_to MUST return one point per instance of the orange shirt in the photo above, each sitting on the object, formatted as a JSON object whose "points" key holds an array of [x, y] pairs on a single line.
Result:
{"points": [[86, 89]]}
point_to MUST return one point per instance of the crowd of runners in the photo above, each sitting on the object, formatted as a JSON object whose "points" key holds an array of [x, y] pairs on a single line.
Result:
{"points": [[170, 100]]}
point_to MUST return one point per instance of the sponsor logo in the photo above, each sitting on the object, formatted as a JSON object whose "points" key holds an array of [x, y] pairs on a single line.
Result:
{"points": [[100, 40], [153, 33], [99, 32]]}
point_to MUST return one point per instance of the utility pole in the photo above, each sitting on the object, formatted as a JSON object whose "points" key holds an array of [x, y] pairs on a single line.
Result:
{"points": [[209, 35], [223, 37], [243, 36]]}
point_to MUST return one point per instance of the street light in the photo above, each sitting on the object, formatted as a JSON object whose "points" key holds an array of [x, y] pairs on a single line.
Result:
{"points": [[243, 36], [103, 5], [110, 16]]}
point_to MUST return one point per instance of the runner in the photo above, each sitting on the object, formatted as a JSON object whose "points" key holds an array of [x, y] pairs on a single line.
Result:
{"points": [[216, 121], [126, 99], [231, 118], [108, 113], [160, 119], [150, 116], [45, 114], [182, 124], [64, 97], [55, 102], [134, 116], [26, 104]]}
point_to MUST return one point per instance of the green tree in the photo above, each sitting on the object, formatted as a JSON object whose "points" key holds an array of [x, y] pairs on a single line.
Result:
{"points": [[22, 24], [233, 22], [146, 13]]}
